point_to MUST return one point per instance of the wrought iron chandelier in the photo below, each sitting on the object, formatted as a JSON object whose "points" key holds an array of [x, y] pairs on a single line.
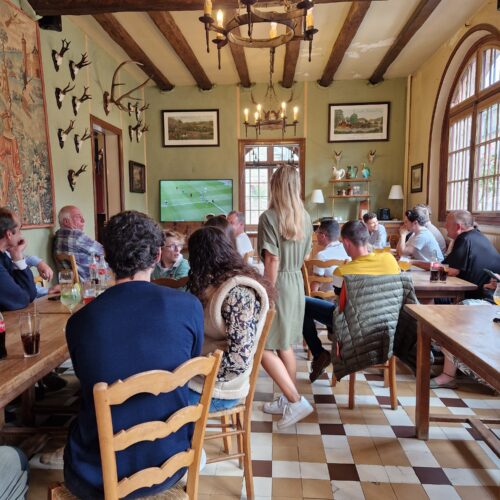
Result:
{"points": [[292, 14], [272, 115]]}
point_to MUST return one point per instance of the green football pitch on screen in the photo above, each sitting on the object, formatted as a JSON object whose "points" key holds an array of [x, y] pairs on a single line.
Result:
{"points": [[192, 200]]}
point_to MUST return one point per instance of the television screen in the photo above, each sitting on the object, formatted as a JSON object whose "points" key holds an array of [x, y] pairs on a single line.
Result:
{"points": [[192, 200]]}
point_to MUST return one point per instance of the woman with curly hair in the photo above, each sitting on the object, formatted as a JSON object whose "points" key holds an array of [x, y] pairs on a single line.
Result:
{"points": [[235, 302]]}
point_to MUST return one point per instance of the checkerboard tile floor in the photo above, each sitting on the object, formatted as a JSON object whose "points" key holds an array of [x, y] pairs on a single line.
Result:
{"points": [[365, 453]]}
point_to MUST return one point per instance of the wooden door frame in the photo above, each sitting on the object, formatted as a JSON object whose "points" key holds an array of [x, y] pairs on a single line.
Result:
{"points": [[118, 132]]}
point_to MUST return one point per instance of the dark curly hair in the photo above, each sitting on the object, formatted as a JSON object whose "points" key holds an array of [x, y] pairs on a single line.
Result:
{"points": [[131, 242], [213, 259]]}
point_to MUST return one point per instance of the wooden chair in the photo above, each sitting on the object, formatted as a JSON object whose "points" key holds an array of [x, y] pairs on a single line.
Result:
{"points": [[171, 282], [247, 256], [65, 261], [152, 382], [241, 416]]}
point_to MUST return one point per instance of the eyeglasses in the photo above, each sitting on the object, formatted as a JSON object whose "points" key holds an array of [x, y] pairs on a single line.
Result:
{"points": [[174, 246]]}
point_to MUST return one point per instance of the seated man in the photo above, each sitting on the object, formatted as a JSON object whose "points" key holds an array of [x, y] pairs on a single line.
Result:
{"points": [[132, 327], [355, 238], [378, 234], [172, 264], [421, 246], [17, 286], [426, 212], [472, 252], [243, 243], [71, 239]]}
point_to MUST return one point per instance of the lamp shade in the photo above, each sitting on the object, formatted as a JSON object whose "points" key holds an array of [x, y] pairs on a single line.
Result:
{"points": [[396, 192], [317, 196]]}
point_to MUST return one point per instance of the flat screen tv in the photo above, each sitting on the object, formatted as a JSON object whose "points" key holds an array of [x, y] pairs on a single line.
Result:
{"points": [[191, 200]]}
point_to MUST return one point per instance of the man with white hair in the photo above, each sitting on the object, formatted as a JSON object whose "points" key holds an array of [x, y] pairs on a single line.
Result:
{"points": [[243, 243], [70, 239], [426, 212]]}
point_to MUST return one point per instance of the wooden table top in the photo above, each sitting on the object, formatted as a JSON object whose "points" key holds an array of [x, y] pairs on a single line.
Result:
{"points": [[18, 373], [45, 306], [422, 282], [468, 331]]}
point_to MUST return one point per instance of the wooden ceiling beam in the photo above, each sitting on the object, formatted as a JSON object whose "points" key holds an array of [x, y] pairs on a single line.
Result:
{"points": [[90, 7], [169, 29], [118, 33], [349, 29], [291, 58], [418, 17], [240, 62]]}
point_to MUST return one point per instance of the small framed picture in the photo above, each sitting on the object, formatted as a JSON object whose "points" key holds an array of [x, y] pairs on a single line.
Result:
{"points": [[190, 127], [137, 177], [417, 174]]}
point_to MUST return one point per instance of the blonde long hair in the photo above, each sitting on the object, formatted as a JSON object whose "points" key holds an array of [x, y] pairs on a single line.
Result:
{"points": [[286, 201]]}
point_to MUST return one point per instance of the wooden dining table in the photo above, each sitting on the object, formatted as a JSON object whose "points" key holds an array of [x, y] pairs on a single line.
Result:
{"points": [[470, 334]]}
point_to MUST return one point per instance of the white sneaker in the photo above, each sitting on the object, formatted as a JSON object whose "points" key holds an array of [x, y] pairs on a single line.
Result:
{"points": [[276, 407], [294, 412]]}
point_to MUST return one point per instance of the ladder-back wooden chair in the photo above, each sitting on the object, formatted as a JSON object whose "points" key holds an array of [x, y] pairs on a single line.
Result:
{"points": [[171, 282], [67, 261], [237, 421], [152, 382]]}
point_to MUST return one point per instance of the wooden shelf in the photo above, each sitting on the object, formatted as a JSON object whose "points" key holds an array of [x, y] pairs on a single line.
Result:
{"points": [[364, 196], [344, 180]]}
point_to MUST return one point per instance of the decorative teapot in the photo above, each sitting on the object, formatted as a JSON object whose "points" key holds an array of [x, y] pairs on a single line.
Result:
{"points": [[352, 172], [338, 174], [365, 172]]}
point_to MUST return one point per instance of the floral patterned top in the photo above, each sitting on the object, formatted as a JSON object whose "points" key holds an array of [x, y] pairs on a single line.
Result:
{"points": [[241, 312]]}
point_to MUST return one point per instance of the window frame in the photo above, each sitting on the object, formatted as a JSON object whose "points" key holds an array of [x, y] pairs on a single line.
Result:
{"points": [[243, 143], [471, 105]]}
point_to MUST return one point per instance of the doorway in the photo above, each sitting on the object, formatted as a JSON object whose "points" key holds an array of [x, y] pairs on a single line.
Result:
{"points": [[107, 168]]}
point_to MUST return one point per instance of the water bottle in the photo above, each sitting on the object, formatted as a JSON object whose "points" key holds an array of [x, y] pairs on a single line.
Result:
{"points": [[434, 267], [102, 273], [94, 278], [3, 349]]}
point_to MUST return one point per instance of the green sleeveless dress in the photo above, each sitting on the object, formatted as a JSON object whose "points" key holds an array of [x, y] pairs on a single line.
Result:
{"points": [[290, 302]]}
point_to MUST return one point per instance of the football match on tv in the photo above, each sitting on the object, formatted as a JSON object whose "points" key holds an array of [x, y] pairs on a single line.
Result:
{"points": [[192, 200]]}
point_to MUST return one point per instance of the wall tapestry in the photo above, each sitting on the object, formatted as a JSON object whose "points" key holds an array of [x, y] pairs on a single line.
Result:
{"points": [[25, 166]]}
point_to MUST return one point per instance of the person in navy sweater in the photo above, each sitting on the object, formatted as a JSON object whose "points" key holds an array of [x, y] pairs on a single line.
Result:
{"points": [[132, 327], [17, 287]]}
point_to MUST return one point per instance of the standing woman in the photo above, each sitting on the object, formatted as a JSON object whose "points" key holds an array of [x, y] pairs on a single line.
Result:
{"points": [[284, 241]]}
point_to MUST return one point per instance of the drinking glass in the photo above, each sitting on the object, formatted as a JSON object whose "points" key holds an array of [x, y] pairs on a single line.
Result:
{"points": [[496, 295], [70, 295], [387, 247], [66, 276], [29, 328], [89, 291], [404, 263]]}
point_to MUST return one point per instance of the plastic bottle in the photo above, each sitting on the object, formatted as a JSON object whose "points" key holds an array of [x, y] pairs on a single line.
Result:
{"points": [[3, 349], [94, 278], [102, 273]]}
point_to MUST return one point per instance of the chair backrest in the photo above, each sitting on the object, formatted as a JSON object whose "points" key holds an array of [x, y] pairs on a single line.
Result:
{"points": [[70, 261], [154, 382], [246, 256], [310, 277], [171, 282]]}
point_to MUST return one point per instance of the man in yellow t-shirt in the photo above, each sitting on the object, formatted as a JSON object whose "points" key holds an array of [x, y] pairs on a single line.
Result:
{"points": [[355, 237]]}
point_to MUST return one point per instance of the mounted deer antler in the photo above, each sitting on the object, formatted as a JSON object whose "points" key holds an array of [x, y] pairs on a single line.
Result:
{"points": [[57, 57], [78, 140], [77, 101], [110, 98], [139, 110], [371, 155], [134, 130], [337, 156], [74, 67], [72, 176], [141, 131], [62, 135], [61, 93]]}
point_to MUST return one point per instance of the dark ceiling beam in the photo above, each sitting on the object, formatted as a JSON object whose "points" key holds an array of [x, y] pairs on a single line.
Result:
{"points": [[118, 33], [84, 7], [349, 29], [418, 17], [169, 29], [240, 62], [291, 58]]}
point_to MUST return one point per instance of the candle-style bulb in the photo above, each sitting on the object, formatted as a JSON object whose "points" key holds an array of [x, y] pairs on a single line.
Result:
{"points": [[283, 105], [220, 18], [310, 19], [273, 31], [246, 114], [259, 109], [256, 116], [295, 113], [207, 8]]}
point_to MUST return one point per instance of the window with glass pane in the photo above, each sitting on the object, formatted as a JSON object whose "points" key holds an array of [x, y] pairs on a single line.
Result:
{"points": [[466, 84], [490, 73]]}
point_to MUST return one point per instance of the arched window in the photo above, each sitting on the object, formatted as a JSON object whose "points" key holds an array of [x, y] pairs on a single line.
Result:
{"points": [[470, 149]]}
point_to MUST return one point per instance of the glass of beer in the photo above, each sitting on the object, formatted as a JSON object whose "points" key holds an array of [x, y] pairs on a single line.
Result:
{"points": [[443, 272], [29, 327], [404, 263]]}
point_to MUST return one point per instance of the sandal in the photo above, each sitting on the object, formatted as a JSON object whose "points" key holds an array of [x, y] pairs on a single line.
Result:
{"points": [[451, 384]]}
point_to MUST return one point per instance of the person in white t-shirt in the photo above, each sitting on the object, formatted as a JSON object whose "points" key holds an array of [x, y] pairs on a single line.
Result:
{"points": [[426, 212], [243, 243]]}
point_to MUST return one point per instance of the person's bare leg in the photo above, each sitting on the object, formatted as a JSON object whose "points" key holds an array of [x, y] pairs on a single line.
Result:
{"points": [[288, 359], [449, 372], [276, 369]]}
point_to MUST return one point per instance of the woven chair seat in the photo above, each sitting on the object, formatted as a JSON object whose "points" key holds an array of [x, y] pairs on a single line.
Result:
{"points": [[229, 411]]}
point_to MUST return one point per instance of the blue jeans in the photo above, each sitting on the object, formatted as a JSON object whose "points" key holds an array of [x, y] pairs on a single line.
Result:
{"points": [[13, 473], [215, 405], [316, 310]]}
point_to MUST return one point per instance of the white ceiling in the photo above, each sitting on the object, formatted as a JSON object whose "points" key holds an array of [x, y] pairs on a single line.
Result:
{"points": [[381, 25]]}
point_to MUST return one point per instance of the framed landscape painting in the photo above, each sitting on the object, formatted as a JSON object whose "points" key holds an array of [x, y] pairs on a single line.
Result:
{"points": [[137, 177], [190, 127], [358, 122]]}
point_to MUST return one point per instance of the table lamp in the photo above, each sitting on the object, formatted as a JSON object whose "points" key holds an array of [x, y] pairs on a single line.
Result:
{"points": [[396, 192], [317, 197]]}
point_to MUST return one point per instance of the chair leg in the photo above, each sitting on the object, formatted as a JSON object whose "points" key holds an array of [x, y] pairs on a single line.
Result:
{"points": [[387, 374], [333, 381], [237, 422], [226, 439], [392, 383], [352, 388], [247, 459]]}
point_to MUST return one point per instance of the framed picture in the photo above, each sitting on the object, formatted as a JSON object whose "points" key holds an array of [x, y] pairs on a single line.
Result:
{"points": [[190, 127], [137, 177], [358, 122], [26, 181], [417, 174]]}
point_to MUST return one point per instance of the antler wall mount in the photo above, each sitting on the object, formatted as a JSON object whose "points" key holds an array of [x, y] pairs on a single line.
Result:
{"points": [[75, 67], [57, 57], [61, 94], [72, 175], [77, 101], [78, 140], [62, 135]]}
